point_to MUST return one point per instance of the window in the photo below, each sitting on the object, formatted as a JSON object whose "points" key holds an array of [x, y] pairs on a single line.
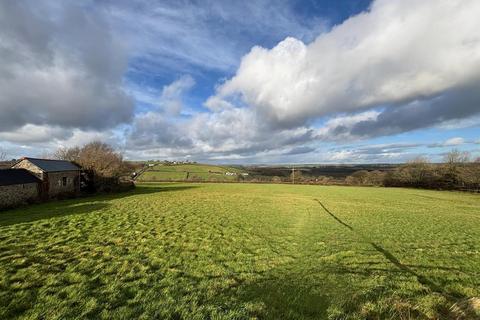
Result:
{"points": [[64, 181]]}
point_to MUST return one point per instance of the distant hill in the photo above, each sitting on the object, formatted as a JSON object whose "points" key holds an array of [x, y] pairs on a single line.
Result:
{"points": [[190, 172], [337, 171]]}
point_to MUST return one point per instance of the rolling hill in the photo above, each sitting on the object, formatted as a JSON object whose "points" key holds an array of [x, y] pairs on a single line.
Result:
{"points": [[190, 172]]}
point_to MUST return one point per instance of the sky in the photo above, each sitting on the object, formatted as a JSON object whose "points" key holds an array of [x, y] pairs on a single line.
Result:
{"points": [[245, 82]]}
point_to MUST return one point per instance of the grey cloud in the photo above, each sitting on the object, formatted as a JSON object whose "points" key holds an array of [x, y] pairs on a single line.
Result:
{"points": [[235, 132], [458, 104], [454, 105], [60, 66], [153, 130], [299, 150]]}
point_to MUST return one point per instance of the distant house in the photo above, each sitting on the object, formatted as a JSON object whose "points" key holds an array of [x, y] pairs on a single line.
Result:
{"points": [[18, 186], [58, 177]]}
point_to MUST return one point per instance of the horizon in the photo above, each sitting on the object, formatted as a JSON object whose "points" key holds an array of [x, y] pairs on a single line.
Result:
{"points": [[254, 83]]}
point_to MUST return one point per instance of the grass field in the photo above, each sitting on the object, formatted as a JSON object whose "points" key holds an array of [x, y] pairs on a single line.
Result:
{"points": [[240, 251], [195, 172]]}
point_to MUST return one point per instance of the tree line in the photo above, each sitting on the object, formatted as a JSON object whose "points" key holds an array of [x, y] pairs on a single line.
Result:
{"points": [[457, 172]]}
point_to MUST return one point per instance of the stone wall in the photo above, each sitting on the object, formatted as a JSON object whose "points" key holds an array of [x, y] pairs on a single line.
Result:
{"points": [[18, 194], [56, 187]]}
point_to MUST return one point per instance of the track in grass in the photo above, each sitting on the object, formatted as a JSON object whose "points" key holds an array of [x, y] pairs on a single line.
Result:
{"points": [[237, 251]]}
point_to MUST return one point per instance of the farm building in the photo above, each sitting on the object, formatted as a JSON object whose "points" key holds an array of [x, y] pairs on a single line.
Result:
{"points": [[58, 177], [17, 186]]}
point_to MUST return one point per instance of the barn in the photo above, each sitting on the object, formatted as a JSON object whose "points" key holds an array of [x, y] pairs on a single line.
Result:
{"points": [[17, 186], [58, 177]]}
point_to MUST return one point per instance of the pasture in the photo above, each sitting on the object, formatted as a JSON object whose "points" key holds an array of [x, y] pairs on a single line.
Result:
{"points": [[189, 172], [243, 251]]}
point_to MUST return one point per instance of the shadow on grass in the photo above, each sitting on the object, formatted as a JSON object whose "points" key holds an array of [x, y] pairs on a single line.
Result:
{"points": [[285, 298], [147, 189], [20, 216], [84, 205], [452, 296]]}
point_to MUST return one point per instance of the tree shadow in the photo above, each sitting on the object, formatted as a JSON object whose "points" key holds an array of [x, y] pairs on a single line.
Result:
{"points": [[452, 297], [140, 190], [146, 189], [26, 216], [82, 205], [284, 296]]}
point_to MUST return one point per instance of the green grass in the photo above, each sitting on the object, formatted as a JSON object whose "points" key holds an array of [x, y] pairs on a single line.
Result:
{"points": [[241, 251], [196, 172]]}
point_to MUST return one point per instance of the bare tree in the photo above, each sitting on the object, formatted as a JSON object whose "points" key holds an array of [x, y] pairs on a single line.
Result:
{"points": [[101, 158], [3, 155], [70, 154], [418, 170], [456, 169], [97, 156], [456, 157]]}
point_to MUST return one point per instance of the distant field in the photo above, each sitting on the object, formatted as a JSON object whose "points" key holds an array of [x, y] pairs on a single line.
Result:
{"points": [[243, 251], [317, 170], [195, 172]]}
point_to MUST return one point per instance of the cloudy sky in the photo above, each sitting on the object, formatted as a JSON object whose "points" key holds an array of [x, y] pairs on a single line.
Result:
{"points": [[300, 81]]}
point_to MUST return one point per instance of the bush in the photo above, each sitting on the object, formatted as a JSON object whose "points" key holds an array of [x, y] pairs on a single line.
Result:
{"points": [[456, 173]]}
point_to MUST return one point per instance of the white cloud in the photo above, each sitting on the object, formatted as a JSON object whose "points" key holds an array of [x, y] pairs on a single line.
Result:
{"points": [[183, 34], [399, 51], [232, 131], [171, 98], [401, 66], [30, 133], [34, 140], [454, 142], [168, 99]]}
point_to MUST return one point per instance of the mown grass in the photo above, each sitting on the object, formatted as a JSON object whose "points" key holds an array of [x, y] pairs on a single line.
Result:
{"points": [[195, 172], [239, 251]]}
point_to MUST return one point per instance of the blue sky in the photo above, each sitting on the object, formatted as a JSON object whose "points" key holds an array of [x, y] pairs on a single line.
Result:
{"points": [[242, 82]]}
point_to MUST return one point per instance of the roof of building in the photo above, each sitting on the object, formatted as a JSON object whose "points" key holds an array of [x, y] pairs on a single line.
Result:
{"points": [[48, 165], [16, 176]]}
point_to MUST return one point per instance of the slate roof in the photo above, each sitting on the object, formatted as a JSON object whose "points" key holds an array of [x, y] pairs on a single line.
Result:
{"points": [[16, 176], [53, 165]]}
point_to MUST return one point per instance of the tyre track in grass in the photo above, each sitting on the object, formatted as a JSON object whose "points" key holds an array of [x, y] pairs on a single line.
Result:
{"points": [[456, 299]]}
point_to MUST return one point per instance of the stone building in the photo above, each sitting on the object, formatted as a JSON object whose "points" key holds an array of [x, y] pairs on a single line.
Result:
{"points": [[58, 177], [18, 186]]}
